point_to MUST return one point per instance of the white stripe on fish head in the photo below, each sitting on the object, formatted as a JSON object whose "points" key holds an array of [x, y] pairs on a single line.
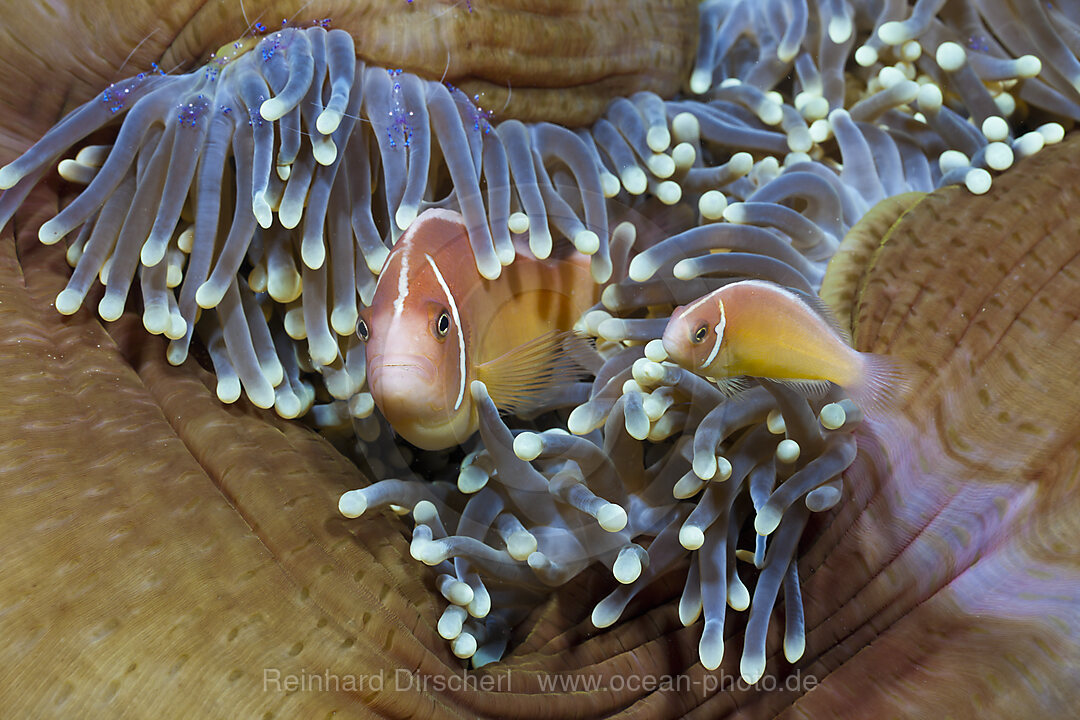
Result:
{"points": [[719, 335], [694, 305], [457, 326], [402, 284]]}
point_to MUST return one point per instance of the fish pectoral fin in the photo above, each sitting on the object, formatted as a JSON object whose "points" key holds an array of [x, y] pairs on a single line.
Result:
{"points": [[732, 386], [581, 350], [537, 375]]}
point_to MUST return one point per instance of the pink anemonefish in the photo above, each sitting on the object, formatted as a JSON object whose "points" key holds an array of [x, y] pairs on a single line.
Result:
{"points": [[435, 324], [760, 329]]}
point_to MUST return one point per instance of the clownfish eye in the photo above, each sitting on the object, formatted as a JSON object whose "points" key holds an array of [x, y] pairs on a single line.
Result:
{"points": [[362, 329], [700, 333], [442, 325]]}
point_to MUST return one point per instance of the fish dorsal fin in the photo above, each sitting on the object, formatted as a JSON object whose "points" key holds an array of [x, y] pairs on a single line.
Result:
{"points": [[822, 310], [532, 375]]}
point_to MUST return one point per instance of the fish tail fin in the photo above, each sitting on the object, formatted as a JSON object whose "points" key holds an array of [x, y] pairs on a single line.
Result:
{"points": [[884, 382]]}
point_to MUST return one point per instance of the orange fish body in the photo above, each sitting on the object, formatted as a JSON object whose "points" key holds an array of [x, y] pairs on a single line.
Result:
{"points": [[435, 324], [760, 329]]}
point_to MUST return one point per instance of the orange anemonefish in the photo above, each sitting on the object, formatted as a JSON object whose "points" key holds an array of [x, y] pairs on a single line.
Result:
{"points": [[760, 329], [434, 325]]}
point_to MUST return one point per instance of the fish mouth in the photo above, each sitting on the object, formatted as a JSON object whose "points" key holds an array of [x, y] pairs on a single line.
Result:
{"points": [[670, 347], [419, 365], [404, 388]]}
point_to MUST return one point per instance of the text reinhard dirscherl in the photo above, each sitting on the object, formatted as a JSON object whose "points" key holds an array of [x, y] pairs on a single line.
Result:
{"points": [[401, 680]]}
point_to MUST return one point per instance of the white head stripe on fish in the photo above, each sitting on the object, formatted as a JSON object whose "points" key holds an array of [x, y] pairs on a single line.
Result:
{"points": [[457, 326], [402, 285], [693, 306], [719, 334]]}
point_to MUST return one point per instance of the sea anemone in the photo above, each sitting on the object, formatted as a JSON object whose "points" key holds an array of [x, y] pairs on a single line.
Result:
{"points": [[642, 483], [712, 465]]}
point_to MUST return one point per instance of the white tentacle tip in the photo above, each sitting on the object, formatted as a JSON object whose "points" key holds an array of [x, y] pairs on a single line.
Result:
{"points": [[273, 109], [691, 537], [328, 121], [612, 517], [352, 504], [528, 446]]}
